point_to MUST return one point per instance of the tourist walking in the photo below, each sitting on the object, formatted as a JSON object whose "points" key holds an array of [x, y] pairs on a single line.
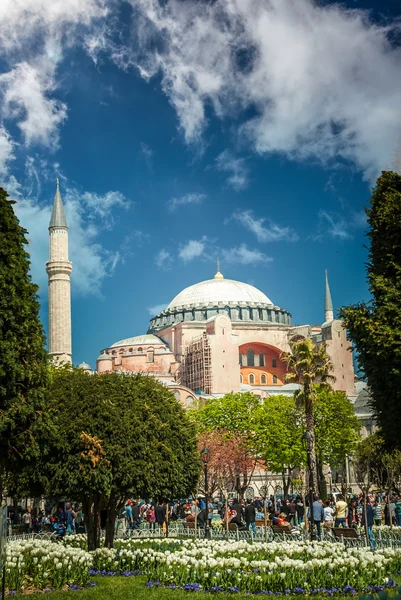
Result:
{"points": [[250, 516], [128, 514], [328, 517], [27, 521], [160, 514], [341, 512], [300, 509], [378, 511], [317, 515], [369, 521]]}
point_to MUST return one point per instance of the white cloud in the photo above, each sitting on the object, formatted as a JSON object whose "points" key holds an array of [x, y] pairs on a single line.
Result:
{"points": [[155, 310], [92, 261], [6, 152], [34, 35], [103, 205], [310, 81], [174, 203], [192, 249], [25, 92], [245, 256], [236, 169], [164, 260], [339, 226], [264, 229], [333, 225]]}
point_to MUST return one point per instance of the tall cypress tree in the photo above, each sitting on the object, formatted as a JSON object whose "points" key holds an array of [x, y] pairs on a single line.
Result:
{"points": [[375, 328], [23, 359]]}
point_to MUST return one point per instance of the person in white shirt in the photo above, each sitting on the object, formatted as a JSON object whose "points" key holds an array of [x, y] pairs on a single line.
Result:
{"points": [[328, 517]]}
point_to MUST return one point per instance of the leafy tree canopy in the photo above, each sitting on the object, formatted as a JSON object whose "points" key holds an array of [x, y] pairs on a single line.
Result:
{"points": [[233, 413], [336, 427], [278, 428], [119, 435], [23, 359], [375, 328]]}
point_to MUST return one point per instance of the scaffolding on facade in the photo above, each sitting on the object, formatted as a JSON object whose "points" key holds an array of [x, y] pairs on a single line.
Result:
{"points": [[196, 369]]}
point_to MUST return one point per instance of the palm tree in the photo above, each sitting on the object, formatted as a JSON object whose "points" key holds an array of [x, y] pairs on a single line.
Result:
{"points": [[308, 365]]}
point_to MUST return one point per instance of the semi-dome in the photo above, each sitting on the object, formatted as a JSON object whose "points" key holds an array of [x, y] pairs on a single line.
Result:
{"points": [[140, 340], [219, 290]]}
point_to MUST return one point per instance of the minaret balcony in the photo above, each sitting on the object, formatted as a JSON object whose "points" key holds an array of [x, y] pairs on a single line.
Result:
{"points": [[57, 267]]}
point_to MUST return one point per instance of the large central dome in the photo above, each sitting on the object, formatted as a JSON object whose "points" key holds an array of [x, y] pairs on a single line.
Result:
{"points": [[214, 291], [197, 303]]}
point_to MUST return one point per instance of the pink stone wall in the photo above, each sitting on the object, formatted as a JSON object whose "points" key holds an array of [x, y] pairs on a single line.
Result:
{"points": [[338, 348]]}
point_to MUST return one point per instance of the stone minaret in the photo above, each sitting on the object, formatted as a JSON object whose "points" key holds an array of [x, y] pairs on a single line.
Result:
{"points": [[328, 304], [59, 269]]}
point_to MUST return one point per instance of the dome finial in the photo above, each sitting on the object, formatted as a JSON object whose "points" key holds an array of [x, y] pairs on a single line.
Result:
{"points": [[218, 274]]}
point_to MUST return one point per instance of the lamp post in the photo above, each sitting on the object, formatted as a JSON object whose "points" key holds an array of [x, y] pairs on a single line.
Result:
{"points": [[237, 471], [306, 438], [205, 459]]}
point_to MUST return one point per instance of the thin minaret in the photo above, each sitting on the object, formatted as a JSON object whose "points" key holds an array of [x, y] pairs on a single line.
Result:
{"points": [[328, 304], [59, 269]]}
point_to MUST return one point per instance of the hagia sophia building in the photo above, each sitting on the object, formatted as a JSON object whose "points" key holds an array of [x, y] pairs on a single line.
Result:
{"points": [[215, 337]]}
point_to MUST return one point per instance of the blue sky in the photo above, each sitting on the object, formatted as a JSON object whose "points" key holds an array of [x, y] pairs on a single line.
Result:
{"points": [[183, 131]]}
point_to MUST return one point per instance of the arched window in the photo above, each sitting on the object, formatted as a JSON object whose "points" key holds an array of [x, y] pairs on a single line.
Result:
{"points": [[251, 357], [140, 350], [240, 359], [263, 379], [261, 360], [241, 378], [274, 363], [275, 379], [189, 401], [251, 378]]}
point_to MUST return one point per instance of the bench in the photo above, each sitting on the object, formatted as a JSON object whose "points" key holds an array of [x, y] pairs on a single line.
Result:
{"points": [[282, 530], [346, 532], [261, 523]]}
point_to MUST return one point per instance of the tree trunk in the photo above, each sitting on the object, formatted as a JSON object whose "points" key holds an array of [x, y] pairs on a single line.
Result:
{"points": [[91, 508], [322, 480], [310, 428], [111, 521], [286, 485]]}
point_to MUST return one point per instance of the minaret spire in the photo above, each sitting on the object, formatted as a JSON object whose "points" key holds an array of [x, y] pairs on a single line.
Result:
{"points": [[58, 215], [328, 304], [218, 274], [59, 269]]}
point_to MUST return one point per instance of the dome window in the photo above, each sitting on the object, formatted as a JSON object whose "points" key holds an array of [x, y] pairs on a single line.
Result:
{"points": [[261, 360], [140, 350], [274, 363], [251, 358]]}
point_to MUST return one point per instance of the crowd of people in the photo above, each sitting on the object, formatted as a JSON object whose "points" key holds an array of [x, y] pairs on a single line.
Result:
{"points": [[68, 519], [290, 513], [334, 512]]}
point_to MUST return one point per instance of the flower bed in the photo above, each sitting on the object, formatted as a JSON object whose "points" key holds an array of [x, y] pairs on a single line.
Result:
{"points": [[45, 564], [274, 568]]}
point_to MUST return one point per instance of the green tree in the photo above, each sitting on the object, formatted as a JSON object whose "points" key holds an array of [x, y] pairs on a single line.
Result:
{"points": [[233, 417], [336, 430], [278, 437], [375, 328], [308, 365], [23, 359], [118, 436]]}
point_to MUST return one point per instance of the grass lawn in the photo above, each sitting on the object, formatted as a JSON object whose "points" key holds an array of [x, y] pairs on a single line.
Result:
{"points": [[126, 588]]}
